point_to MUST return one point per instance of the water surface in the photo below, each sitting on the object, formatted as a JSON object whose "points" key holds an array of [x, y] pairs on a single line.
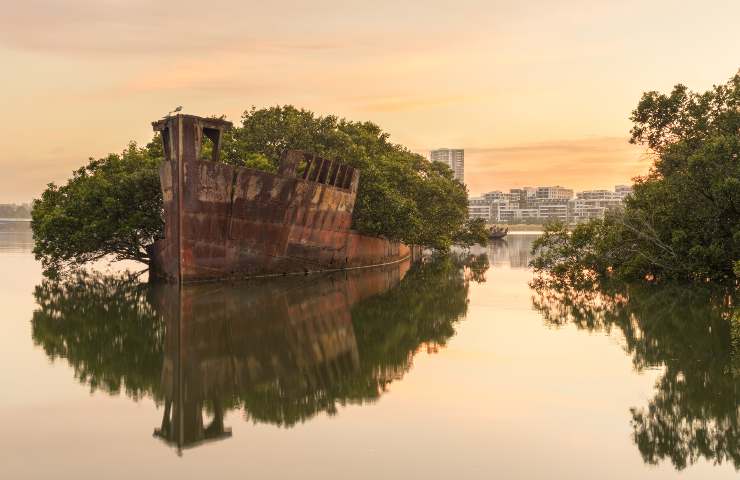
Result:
{"points": [[451, 369]]}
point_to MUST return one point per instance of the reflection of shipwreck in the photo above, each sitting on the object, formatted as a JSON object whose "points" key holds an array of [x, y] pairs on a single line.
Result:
{"points": [[223, 221], [275, 351], [281, 344]]}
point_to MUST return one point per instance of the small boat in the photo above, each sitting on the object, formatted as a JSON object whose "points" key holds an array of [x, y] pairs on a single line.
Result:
{"points": [[497, 233]]}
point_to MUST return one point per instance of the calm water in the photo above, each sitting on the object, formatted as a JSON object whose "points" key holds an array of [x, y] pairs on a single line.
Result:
{"points": [[453, 369]]}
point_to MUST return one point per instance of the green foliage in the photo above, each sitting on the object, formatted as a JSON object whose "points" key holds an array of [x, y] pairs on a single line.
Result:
{"points": [[682, 221], [569, 257], [401, 195], [257, 161], [475, 231], [661, 121], [110, 207]]}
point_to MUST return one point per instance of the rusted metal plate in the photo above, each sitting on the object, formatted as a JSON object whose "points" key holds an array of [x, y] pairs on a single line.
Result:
{"points": [[224, 222]]}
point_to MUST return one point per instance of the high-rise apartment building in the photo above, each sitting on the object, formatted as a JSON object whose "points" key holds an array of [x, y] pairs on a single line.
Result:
{"points": [[452, 157], [554, 193], [623, 190], [479, 207]]}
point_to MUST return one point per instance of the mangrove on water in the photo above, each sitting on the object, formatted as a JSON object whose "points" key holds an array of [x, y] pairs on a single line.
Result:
{"points": [[112, 207], [682, 220]]}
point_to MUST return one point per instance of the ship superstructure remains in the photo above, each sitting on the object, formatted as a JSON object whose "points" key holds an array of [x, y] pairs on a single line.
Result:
{"points": [[223, 221]]}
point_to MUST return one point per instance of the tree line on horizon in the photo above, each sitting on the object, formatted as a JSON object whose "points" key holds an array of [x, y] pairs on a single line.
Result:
{"points": [[15, 210]]}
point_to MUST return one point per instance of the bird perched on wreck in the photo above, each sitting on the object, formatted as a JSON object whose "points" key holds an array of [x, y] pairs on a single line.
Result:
{"points": [[176, 110]]}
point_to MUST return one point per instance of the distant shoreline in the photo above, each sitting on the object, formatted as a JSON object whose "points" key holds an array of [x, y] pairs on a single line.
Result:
{"points": [[519, 227]]}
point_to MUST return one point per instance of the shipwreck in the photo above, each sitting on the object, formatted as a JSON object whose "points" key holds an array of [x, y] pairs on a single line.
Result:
{"points": [[227, 222]]}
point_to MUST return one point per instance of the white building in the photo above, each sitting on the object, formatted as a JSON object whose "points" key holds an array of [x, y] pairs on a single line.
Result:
{"points": [[496, 196], [505, 213], [623, 190], [595, 203], [479, 207], [553, 193], [500, 209], [601, 198], [554, 211], [526, 213], [453, 158]]}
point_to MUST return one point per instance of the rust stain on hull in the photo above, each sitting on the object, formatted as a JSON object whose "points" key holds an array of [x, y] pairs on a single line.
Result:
{"points": [[226, 222]]}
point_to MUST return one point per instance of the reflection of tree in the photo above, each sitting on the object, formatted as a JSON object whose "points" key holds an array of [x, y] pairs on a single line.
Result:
{"points": [[693, 333], [392, 327], [105, 327], [388, 329], [477, 266], [282, 350]]}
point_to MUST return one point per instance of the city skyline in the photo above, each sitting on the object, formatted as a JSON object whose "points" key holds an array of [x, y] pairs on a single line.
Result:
{"points": [[545, 203], [534, 186], [545, 97]]}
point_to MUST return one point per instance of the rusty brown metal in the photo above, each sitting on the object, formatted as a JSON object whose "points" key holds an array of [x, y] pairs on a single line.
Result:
{"points": [[223, 221]]}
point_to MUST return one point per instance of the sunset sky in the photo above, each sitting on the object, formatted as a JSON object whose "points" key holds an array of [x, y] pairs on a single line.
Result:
{"points": [[537, 92]]}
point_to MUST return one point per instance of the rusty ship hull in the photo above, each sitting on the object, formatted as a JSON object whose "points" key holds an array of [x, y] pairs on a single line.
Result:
{"points": [[225, 222]]}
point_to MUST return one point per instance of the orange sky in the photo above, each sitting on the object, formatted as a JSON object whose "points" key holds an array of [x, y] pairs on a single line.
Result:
{"points": [[537, 93]]}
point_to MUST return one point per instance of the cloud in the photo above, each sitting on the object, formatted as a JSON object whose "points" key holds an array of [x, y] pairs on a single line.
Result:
{"points": [[401, 103], [135, 28], [89, 74], [191, 27], [580, 163]]}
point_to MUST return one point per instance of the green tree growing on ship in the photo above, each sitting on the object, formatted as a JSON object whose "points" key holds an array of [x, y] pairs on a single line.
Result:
{"points": [[112, 207]]}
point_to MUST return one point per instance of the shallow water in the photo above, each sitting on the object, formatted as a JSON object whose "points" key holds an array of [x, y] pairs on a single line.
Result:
{"points": [[452, 369]]}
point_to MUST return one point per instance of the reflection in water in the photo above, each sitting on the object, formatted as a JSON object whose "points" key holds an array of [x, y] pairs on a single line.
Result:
{"points": [[105, 327], [281, 350], [695, 335], [15, 236], [512, 251]]}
